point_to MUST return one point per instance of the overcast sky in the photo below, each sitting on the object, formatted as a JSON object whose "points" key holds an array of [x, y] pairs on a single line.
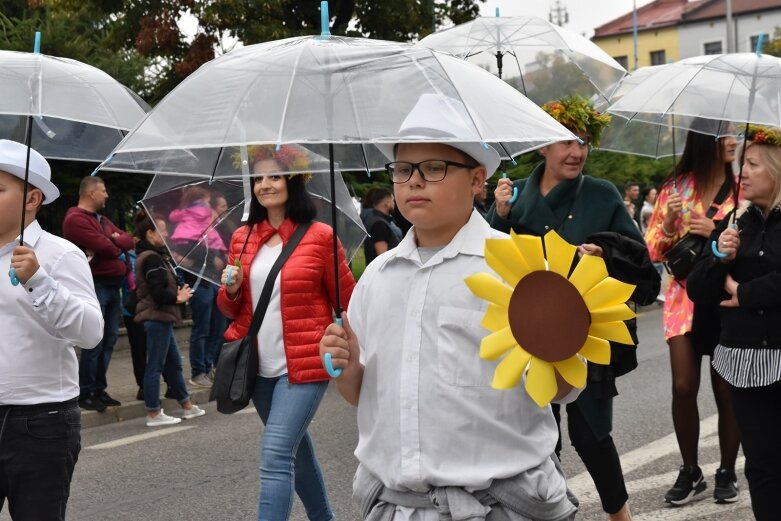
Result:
{"points": [[584, 15]]}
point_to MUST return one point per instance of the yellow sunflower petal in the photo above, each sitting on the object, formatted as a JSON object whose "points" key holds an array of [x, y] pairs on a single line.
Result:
{"points": [[559, 253], [596, 350], [588, 273], [495, 318], [505, 259], [573, 370], [510, 370], [609, 292], [541, 382], [496, 344], [487, 287], [531, 249], [611, 313], [615, 331]]}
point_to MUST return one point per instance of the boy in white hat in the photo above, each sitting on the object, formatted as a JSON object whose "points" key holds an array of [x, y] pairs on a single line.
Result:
{"points": [[435, 440], [48, 309]]}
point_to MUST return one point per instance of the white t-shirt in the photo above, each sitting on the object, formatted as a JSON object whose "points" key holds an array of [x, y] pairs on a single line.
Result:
{"points": [[271, 345]]}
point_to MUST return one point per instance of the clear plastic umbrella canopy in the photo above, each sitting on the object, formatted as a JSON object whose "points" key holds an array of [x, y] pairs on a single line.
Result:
{"points": [[708, 94], [540, 59], [637, 137], [78, 112], [349, 93], [201, 217]]}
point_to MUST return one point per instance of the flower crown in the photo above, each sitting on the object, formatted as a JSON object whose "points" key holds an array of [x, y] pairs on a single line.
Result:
{"points": [[578, 115], [764, 135], [289, 157]]}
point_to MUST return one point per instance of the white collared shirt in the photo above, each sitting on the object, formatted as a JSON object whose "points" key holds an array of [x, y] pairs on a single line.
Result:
{"points": [[427, 414], [43, 320]]}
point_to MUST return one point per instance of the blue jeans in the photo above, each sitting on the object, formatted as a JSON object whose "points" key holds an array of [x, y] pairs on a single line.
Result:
{"points": [[93, 363], [208, 327], [287, 455], [162, 357]]}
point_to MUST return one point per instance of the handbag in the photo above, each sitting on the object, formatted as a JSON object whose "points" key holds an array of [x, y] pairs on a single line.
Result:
{"points": [[681, 257], [237, 366]]}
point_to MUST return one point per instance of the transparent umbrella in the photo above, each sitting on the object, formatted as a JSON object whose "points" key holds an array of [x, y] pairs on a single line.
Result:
{"points": [[339, 97], [201, 217], [77, 112], [541, 59]]}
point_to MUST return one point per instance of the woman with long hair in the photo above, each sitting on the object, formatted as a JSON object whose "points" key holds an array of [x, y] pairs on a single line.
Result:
{"points": [[703, 172], [291, 380], [746, 285]]}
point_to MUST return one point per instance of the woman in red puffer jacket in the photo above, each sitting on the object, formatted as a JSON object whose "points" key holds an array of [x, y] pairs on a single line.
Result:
{"points": [[291, 380]]}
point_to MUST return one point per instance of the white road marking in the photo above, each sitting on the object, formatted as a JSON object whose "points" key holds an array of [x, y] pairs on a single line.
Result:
{"points": [[139, 437]]}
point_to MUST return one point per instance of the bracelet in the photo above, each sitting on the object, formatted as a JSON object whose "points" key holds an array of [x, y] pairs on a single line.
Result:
{"points": [[668, 234]]}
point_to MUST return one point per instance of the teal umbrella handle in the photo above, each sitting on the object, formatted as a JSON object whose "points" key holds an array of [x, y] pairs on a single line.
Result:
{"points": [[14, 279], [228, 276], [714, 247], [515, 191], [329, 368]]}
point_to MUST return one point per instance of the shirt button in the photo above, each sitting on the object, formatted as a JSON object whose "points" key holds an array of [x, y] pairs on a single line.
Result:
{"points": [[761, 253], [764, 342], [547, 227]]}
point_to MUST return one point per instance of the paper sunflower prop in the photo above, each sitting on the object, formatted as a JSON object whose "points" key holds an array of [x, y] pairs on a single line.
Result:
{"points": [[542, 317]]}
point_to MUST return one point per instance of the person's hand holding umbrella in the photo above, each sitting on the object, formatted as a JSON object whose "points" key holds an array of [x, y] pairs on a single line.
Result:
{"points": [[24, 263], [728, 243], [232, 277]]}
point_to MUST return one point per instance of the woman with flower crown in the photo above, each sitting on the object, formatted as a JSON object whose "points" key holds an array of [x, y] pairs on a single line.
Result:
{"points": [[291, 380], [746, 285], [696, 185], [559, 196]]}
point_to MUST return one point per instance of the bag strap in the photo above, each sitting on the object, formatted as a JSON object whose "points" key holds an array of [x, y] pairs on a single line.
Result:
{"points": [[572, 205], [723, 191], [268, 286]]}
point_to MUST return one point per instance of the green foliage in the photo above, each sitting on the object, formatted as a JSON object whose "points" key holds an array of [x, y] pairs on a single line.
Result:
{"points": [[773, 47]]}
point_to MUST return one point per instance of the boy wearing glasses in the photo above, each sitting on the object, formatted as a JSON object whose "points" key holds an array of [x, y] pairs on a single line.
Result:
{"points": [[435, 440]]}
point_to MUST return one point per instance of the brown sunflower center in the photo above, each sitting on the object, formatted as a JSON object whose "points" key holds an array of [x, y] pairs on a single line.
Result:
{"points": [[548, 317]]}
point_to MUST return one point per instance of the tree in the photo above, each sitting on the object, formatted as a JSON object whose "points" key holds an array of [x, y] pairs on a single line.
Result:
{"points": [[773, 47]]}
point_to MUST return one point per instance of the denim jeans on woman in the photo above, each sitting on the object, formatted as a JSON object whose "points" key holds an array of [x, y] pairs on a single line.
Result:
{"points": [[287, 456], [163, 357], [208, 327]]}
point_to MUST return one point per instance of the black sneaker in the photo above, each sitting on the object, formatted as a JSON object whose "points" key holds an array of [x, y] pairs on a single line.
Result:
{"points": [[726, 489], [90, 402], [689, 483], [104, 397]]}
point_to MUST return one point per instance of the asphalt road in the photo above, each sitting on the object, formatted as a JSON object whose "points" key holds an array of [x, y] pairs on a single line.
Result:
{"points": [[207, 468]]}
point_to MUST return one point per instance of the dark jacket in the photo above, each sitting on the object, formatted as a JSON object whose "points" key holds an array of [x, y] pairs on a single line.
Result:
{"points": [[381, 228], [156, 286], [93, 232], [756, 323]]}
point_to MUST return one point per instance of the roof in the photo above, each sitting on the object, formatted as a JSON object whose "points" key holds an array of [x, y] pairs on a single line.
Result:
{"points": [[718, 8], [657, 14]]}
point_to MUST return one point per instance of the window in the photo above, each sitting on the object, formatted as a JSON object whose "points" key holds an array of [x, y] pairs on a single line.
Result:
{"points": [[658, 57], [712, 48], [754, 39], [623, 61]]}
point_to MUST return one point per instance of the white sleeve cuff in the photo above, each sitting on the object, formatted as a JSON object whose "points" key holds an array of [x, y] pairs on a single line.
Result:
{"points": [[40, 286]]}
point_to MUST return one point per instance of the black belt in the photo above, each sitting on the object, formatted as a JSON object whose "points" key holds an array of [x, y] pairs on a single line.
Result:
{"points": [[22, 410]]}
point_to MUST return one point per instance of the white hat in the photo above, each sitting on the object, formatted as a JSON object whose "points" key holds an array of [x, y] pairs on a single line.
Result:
{"points": [[438, 119], [13, 157]]}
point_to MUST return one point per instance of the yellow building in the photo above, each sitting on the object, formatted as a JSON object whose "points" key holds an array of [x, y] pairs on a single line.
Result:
{"points": [[657, 34]]}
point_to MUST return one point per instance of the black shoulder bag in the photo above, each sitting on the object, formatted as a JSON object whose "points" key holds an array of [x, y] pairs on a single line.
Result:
{"points": [[681, 257], [237, 366]]}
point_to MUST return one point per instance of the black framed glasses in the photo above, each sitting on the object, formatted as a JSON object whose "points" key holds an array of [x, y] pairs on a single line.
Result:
{"points": [[431, 170]]}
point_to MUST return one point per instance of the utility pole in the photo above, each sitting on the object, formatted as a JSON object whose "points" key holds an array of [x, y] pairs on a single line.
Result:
{"points": [[558, 14], [730, 33]]}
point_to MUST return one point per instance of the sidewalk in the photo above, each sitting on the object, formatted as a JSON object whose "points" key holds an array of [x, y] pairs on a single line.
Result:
{"points": [[122, 384]]}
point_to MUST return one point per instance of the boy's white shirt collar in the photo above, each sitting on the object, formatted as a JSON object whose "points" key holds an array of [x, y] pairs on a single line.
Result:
{"points": [[468, 241], [32, 234]]}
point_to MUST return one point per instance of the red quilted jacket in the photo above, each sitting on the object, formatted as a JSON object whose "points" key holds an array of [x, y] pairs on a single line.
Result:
{"points": [[307, 292]]}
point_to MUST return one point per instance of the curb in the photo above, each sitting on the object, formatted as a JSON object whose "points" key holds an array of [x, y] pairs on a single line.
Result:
{"points": [[135, 409]]}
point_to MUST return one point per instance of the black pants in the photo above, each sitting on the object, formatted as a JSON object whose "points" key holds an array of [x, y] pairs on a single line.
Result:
{"points": [[598, 455], [758, 411], [137, 338], [39, 447]]}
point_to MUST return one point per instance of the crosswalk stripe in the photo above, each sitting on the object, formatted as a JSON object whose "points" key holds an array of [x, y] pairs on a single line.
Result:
{"points": [[138, 437]]}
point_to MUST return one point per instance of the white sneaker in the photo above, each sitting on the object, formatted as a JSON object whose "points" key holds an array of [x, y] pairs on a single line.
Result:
{"points": [[189, 414], [202, 381], [161, 419]]}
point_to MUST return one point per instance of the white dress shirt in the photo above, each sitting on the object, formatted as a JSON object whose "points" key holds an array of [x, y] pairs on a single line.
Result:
{"points": [[43, 320], [427, 414]]}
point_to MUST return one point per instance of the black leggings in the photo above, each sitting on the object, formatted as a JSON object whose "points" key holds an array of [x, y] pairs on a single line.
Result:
{"points": [[758, 410], [598, 455]]}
